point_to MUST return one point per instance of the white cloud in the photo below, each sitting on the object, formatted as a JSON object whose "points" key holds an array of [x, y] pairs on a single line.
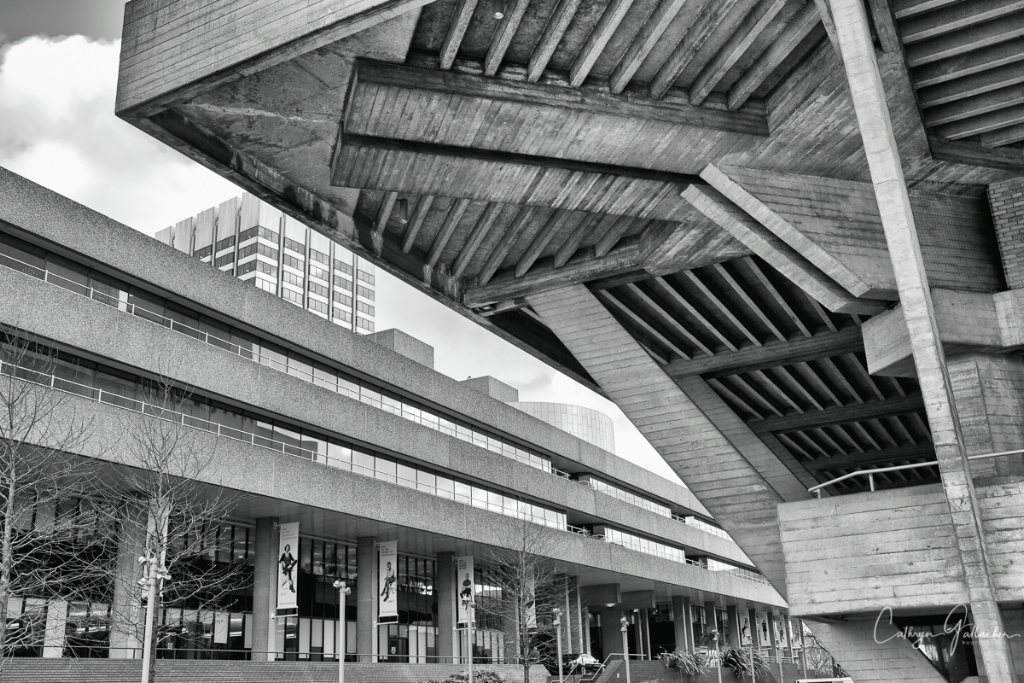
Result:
{"points": [[57, 128]]}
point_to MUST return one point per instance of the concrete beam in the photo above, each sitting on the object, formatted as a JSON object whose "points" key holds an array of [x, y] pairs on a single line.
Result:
{"points": [[884, 163]]}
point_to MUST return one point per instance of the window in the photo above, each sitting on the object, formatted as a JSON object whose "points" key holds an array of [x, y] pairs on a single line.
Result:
{"points": [[225, 243], [319, 256], [293, 262], [365, 277], [265, 233], [318, 306], [297, 247], [292, 296], [343, 315], [204, 252], [317, 289], [224, 260], [364, 324], [265, 285], [343, 267], [364, 308], [365, 292], [265, 267], [258, 248], [342, 299], [319, 273], [291, 278]]}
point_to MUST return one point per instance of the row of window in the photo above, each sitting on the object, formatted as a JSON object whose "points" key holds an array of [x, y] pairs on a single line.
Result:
{"points": [[258, 231], [644, 545], [629, 497], [117, 388], [219, 334]]}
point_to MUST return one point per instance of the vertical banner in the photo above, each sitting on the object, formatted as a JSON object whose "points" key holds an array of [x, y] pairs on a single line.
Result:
{"points": [[464, 587], [745, 630], [764, 639], [387, 574], [780, 631], [531, 601], [288, 566]]}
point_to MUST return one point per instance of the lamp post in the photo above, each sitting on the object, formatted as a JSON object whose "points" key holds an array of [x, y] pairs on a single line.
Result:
{"points": [[718, 656], [343, 591], [625, 645], [558, 639], [471, 608], [154, 573]]}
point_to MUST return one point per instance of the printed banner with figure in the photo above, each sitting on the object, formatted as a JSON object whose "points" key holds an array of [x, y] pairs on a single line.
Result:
{"points": [[780, 631], [464, 587], [387, 574], [763, 637], [288, 577]]}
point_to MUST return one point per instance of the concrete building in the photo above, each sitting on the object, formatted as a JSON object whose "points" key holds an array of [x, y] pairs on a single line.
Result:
{"points": [[358, 444], [260, 245], [588, 424], [781, 235]]}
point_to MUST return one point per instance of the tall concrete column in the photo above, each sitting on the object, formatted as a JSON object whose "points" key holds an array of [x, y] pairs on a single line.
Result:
{"points": [[755, 633], [680, 617], [732, 638], [611, 636], [580, 637], [264, 590], [444, 589], [710, 617], [366, 599], [868, 94], [126, 609], [691, 642], [569, 619], [56, 628]]}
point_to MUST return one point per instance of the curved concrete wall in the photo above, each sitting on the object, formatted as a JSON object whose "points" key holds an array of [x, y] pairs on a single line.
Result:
{"points": [[585, 423]]}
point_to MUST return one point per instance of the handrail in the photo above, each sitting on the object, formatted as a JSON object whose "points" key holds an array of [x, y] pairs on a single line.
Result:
{"points": [[205, 337], [816, 490]]}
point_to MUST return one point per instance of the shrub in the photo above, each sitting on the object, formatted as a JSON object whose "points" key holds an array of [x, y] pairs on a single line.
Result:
{"points": [[479, 676], [689, 663], [741, 663]]}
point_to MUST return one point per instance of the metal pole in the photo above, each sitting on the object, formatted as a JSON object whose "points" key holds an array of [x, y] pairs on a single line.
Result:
{"points": [[718, 658], [558, 640], [343, 591], [147, 644], [753, 670], [625, 646], [803, 648], [469, 637]]}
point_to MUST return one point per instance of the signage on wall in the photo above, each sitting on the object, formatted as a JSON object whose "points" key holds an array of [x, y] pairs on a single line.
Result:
{"points": [[288, 566], [464, 587], [387, 575]]}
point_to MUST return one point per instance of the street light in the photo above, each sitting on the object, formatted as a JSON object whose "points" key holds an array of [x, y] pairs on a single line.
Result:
{"points": [[625, 645], [343, 590], [154, 573], [558, 639]]}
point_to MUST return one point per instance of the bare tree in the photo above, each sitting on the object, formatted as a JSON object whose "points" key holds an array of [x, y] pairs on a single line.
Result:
{"points": [[528, 588], [52, 543], [170, 517]]}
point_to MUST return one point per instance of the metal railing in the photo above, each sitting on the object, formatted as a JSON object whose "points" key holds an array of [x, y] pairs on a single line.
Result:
{"points": [[870, 473], [125, 306], [161, 412]]}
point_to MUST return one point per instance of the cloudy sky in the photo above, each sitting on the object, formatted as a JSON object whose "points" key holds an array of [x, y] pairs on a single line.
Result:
{"points": [[58, 75]]}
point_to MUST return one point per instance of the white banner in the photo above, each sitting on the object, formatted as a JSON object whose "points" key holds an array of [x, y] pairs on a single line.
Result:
{"points": [[387, 574], [288, 566], [780, 631], [464, 587], [764, 639]]}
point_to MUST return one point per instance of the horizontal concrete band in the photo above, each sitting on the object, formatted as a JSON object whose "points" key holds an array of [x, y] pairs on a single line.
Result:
{"points": [[258, 471], [132, 256], [101, 331]]}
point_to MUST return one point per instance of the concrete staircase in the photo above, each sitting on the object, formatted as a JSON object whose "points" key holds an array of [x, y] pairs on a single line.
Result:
{"points": [[34, 670]]}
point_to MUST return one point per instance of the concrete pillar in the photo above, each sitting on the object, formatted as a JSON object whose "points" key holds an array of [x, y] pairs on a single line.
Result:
{"points": [[56, 628], [366, 599], [691, 643], [868, 94], [680, 619], [989, 393], [645, 616], [126, 612], [732, 638], [444, 589], [710, 617], [755, 633], [569, 618], [581, 637], [611, 636], [264, 590]]}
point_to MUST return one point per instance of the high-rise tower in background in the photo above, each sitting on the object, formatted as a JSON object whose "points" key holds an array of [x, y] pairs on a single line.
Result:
{"points": [[259, 244]]}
